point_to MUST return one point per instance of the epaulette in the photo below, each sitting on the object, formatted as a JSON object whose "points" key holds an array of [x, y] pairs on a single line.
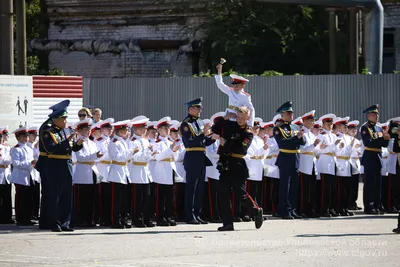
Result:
{"points": [[99, 139], [246, 93], [322, 133], [133, 138], [187, 119], [115, 140], [17, 145], [158, 140]]}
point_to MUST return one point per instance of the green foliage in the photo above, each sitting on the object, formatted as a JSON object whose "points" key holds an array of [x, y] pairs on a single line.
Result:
{"points": [[32, 18], [396, 71], [33, 68], [365, 71]]}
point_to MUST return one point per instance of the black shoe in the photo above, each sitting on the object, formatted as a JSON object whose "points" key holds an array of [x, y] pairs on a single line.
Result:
{"points": [[371, 212], [149, 224], [237, 219], [67, 229], [296, 216], [140, 224], [275, 215], [381, 211], [57, 229], [392, 210], [201, 221], [246, 218], [288, 217], [28, 223], [258, 218], [118, 226], [218, 220], [333, 213], [396, 230], [313, 215], [193, 222], [162, 223], [326, 214], [226, 228], [359, 208], [171, 222]]}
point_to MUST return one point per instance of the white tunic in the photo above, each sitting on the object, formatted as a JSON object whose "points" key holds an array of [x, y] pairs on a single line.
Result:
{"points": [[236, 99], [254, 158], [180, 174], [343, 156], [326, 163], [152, 162], [86, 163], [104, 163], [21, 158], [385, 157], [165, 162], [35, 174], [5, 163], [270, 169], [119, 154], [355, 158], [212, 154], [139, 172], [307, 153], [392, 160]]}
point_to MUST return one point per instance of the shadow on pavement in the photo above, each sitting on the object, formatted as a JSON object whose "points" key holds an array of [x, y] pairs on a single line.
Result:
{"points": [[342, 235]]}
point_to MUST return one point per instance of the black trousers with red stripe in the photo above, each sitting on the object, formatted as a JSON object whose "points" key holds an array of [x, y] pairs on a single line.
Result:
{"points": [[179, 201], [308, 188], [153, 200], [35, 200], [23, 203], [84, 203], [164, 202], [212, 197], [355, 181], [255, 191], [267, 195], [105, 201], [344, 193], [120, 203], [229, 183], [328, 192], [5, 203], [140, 203]]}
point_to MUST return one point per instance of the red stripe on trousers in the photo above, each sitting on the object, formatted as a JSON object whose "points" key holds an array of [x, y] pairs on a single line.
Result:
{"points": [[210, 198], [112, 203]]}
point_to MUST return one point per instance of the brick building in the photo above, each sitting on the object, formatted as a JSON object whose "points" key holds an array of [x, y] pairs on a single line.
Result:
{"points": [[119, 38]]}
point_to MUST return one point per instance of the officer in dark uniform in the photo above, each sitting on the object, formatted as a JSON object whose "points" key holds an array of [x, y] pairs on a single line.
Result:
{"points": [[55, 167], [289, 138], [394, 132], [192, 130], [374, 139], [235, 140]]}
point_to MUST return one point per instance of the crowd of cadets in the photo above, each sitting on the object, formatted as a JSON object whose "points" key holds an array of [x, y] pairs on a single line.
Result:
{"points": [[131, 172]]}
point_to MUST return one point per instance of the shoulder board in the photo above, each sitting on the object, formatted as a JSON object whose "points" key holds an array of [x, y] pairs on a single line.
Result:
{"points": [[365, 124], [115, 140], [17, 145], [99, 139], [187, 119], [158, 140], [245, 93], [133, 138], [322, 133]]}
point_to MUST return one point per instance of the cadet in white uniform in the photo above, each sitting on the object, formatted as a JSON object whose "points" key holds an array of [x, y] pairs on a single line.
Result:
{"points": [[307, 169], [256, 154], [343, 156], [167, 152], [23, 164], [85, 177], [237, 96], [386, 178], [34, 145], [118, 176], [180, 173], [212, 174], [271, 171], [103, 167], [140, 174], [5, 185], [326, 166], [355, 164], [152, 136]]}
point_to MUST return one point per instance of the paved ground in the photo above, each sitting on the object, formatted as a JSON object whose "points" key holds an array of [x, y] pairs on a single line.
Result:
{"points": [[361, 240]]}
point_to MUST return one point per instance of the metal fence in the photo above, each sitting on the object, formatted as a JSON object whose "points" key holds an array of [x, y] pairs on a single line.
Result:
{"points": [[343, 95]]}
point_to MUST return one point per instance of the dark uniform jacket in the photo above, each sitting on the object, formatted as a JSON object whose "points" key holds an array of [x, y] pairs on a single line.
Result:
{"points": [[237, 141], [193, 138], [372, 137], [286, 138]]}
